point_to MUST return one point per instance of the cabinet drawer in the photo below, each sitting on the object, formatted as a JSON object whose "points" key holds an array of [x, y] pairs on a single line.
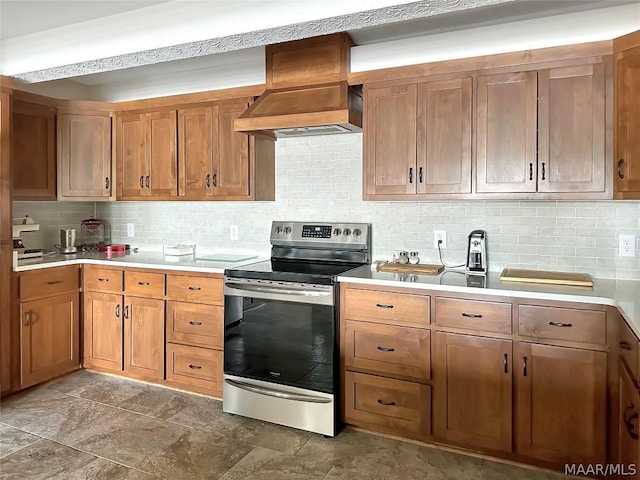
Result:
{"points": [[102, 279], [195, 324], [49, 281], [388, 349], [473, 315], [387, 307], [195, 289], [628, 348], [144, 284], [195, 368], [388, 405], [587, 326]]}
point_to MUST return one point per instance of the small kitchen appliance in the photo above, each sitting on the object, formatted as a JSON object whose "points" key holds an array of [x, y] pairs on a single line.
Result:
{"points": [[67, 243], [477, 253], [20, 225], [281, 357], [93, 233]]}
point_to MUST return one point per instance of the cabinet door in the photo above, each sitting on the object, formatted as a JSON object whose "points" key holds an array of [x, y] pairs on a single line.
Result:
{"points": [[196, 127], [472, 391], [390, 140], [444, 136], [33, 151], [84, 160], [506, 133], [103, 323], [627, 158], [6, 255], [50, 345], [561, 397], [144, 338], [131, 157], [571, 129], [231, 175], [628, 421], [161, 178]]}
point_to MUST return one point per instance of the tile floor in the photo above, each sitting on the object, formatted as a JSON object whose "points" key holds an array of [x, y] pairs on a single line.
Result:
{"points": [[91, 426]]}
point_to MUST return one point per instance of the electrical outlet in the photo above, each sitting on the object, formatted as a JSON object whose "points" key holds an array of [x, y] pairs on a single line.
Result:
{"points": [[627, 246], [440, 235], [130, 230], [233, 232]]}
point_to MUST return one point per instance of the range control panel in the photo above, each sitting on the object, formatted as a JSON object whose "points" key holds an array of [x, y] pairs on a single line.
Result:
{"points": [[307, 233], [316, 231]]}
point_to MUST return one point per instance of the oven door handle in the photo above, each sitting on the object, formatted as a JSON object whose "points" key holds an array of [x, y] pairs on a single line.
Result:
{"points": [[276, 393], [275, 290]]}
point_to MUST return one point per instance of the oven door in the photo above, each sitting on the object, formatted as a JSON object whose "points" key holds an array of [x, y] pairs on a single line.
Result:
{"points": [[280, 348]]}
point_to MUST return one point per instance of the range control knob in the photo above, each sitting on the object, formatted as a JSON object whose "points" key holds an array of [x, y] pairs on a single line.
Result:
{"points": [[287, 230], [346, 232], [337, 231], [279, 230], [356, 232]]}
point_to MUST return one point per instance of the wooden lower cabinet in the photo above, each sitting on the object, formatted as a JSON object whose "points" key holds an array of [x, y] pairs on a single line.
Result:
{"points": [[473, 391], [144, 338], [195, 368], [388, 405], [103, 331], [49, 334], [628, 428], [561, 404]]}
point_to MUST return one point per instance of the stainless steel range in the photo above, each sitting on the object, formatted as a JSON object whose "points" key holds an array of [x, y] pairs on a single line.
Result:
{"points": [[281, 335]]}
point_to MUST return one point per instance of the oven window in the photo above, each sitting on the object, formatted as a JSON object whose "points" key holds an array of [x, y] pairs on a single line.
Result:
{"points": [[281, 342]]}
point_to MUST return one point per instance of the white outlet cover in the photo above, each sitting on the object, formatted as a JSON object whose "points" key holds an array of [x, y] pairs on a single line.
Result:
{"points": [[440, 234], [627, 246], [233, 232], [130, 230]]}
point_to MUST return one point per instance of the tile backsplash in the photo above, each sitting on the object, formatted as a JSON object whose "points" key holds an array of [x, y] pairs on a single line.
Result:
{"points": [[320, 179]]}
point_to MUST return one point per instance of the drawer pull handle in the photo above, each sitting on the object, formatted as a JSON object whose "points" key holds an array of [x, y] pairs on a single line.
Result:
{"points": [[506, 363], [194, 367], [629, 421], [626, 346], [195, 288], [53, 282], [118, 311], [197, 324], [524, 366], [144, 284], [383, 305], [559, 324], [386, 404], [385, 349], [126, 311], [471, 315], [100, 279], [27, 318]]}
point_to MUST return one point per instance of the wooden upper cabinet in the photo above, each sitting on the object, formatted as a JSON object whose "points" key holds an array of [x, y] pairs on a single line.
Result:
{"points": [[196, 147], [627, 116], [146, 155], [231, 172], [506, 133], [33, 151], [84, 156], [562, 406], [444, 120], [130, 155], [390, 140], [571, 129]]}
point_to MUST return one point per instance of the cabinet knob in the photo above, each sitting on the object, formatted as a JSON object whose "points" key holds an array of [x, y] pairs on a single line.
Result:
{"points": [[620, 162]]}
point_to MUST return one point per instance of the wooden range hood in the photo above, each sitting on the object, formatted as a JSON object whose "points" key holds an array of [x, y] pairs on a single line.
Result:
{"points": [[307, 91]]}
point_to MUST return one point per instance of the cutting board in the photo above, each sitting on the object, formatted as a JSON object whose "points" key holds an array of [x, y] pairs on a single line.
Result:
{"points": [[420, 268], [539, 276], [226, 257]]}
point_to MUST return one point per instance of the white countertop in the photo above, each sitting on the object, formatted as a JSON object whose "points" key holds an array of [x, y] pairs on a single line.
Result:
{"points": [[132, 259], [623, 294]]}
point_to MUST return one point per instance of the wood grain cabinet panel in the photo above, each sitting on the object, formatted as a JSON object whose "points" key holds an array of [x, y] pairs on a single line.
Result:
{"points": [[571, 129], [477, 315], [627, 98], [189, 288], [144, 338], [569, 324], [506, 123], [390, 140], [195, 324], [103, 331], [231, 173], [162, 173], [386, 307], [388, 405], [472, 391], [131, 155], [33, 151], [103, 279], [561, 397], [197, 151], [84, 156], [444, 119], [146, 284], [49, 333], [193, 368], [49, 281], [390, 350], [627, 348], [628, 425]]}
